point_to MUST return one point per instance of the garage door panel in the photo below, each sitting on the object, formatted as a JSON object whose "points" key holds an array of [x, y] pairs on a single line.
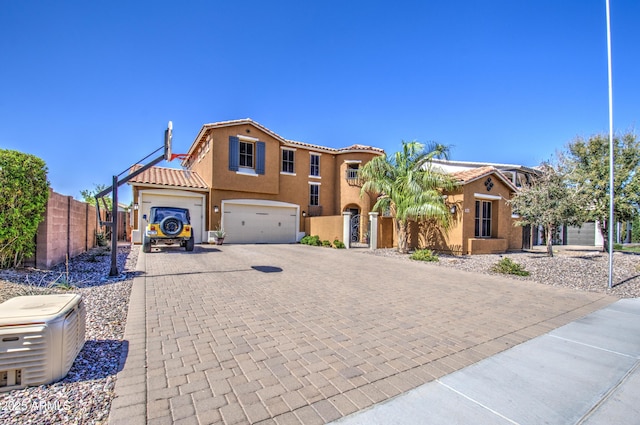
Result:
{"points": [[259, 224]]}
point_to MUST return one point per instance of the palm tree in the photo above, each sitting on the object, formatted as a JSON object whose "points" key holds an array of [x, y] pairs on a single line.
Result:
{"points": [[408, 187]]}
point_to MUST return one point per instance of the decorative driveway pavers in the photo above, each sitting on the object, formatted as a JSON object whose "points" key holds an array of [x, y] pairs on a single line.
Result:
{"points": [[290, 334]]}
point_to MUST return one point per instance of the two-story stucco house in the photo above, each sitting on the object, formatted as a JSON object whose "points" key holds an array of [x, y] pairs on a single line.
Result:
{"points": [[258, 186]]}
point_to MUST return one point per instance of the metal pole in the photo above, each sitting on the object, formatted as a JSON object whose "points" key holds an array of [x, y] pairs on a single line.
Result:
{"points": [[114, 229], [611, 159]]}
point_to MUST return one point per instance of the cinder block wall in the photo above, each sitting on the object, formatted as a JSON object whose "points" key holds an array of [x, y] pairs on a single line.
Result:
{"points": [[68, 229]]}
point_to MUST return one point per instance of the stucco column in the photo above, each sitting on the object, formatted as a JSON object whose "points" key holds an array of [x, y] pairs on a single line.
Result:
{"points": [[346, 229], [373, 235]]}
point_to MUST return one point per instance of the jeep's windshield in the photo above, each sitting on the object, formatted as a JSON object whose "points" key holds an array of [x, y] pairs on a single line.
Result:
{"points": [[161, 213]]}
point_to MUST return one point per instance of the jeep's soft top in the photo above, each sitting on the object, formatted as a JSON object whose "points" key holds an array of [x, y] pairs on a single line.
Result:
{"points": [[160, 213]]}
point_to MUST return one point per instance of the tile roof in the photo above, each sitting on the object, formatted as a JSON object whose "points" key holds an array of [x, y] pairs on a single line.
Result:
{"points": [[467, 176], [163, 176], [276, 136]]}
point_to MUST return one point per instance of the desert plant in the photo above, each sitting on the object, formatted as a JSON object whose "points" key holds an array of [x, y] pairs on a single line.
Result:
{"points": [[101, 239], [508, 266], [406, 185], [424, 255], [337, 243]]}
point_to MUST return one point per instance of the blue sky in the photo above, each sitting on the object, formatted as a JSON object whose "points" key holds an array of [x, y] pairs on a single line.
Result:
{"points": [[89, 86]]}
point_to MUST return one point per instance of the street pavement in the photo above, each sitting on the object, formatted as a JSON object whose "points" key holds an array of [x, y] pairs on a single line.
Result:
{"points": [[292, 334]]}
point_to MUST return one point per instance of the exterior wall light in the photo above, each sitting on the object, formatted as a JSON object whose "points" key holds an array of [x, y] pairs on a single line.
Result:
{"points": [[216, 210]]}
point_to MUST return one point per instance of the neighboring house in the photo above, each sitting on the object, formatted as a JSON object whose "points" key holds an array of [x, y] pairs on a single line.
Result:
{"points": [[519, 175], [482, 220], [258, 186]]}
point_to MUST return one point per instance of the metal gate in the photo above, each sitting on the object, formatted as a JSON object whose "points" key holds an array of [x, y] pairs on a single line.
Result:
{"points": [[355, 229], [355, 239]]}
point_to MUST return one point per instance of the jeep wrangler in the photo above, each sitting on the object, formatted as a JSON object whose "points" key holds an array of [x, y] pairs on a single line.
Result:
{"points": [[168, 225]]}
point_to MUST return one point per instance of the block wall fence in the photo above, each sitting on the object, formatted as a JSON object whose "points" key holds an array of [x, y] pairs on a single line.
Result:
{"points": [[69, 228]]}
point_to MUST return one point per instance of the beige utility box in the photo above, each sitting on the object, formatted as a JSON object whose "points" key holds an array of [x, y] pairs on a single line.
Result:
{"points": [[40, 337]]}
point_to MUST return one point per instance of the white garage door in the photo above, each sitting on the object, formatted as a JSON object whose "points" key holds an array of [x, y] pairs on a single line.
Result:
{"points": [[195, 205], [250, 223]]}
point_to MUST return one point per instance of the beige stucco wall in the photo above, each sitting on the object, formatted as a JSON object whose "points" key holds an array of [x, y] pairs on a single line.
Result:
{"points": [[274, 185], [326, 228]]}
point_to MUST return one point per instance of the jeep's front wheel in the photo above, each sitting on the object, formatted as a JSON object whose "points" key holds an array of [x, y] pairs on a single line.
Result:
{"points": [[189, 244], [146, 244]]}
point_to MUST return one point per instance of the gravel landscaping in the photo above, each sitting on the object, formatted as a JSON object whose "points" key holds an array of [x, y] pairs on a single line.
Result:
{"points": [[580, 270], [84, 396]]}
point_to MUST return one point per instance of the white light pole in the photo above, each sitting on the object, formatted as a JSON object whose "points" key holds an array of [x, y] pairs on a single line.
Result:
{"points": [[611, 159]]}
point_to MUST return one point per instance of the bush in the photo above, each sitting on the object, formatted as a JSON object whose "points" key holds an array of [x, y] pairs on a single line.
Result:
{"points": [[326, 243], [337, 243], [507, 266], [424, 255], [311, 240], [24, 191]]}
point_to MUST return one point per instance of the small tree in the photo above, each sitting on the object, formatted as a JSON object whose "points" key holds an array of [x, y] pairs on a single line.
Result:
{"points": [[587, 163], [24, 191], [409, 187], [548, 202], [88, 196]]}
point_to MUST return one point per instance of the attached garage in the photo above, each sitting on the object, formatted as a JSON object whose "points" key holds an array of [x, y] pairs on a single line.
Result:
{"points": [[173, 198], [259, 221]]}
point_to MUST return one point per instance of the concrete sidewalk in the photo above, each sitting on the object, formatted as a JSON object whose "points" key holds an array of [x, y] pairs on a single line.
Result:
{"points": [[586, 372]]}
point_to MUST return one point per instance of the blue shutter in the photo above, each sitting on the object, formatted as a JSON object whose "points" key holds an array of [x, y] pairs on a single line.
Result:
{"points": [[260, 157], [234, 153]]}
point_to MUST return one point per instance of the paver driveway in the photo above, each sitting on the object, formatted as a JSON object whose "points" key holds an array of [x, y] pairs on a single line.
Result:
{"points": [[288, 334]]}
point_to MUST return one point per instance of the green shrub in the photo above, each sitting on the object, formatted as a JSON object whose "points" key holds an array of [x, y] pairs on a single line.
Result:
{"points": [[338, 244], [507, 266], [424, 255], [311, 240], [326, 243], [618, 246], [24, 191]]}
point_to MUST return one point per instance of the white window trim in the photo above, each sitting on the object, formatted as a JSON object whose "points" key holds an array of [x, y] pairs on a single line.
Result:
{"points": [[247, 138], [314, 184], [353, 161], [487, 197], [284, 173], [247, 171], [319, 155]]}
